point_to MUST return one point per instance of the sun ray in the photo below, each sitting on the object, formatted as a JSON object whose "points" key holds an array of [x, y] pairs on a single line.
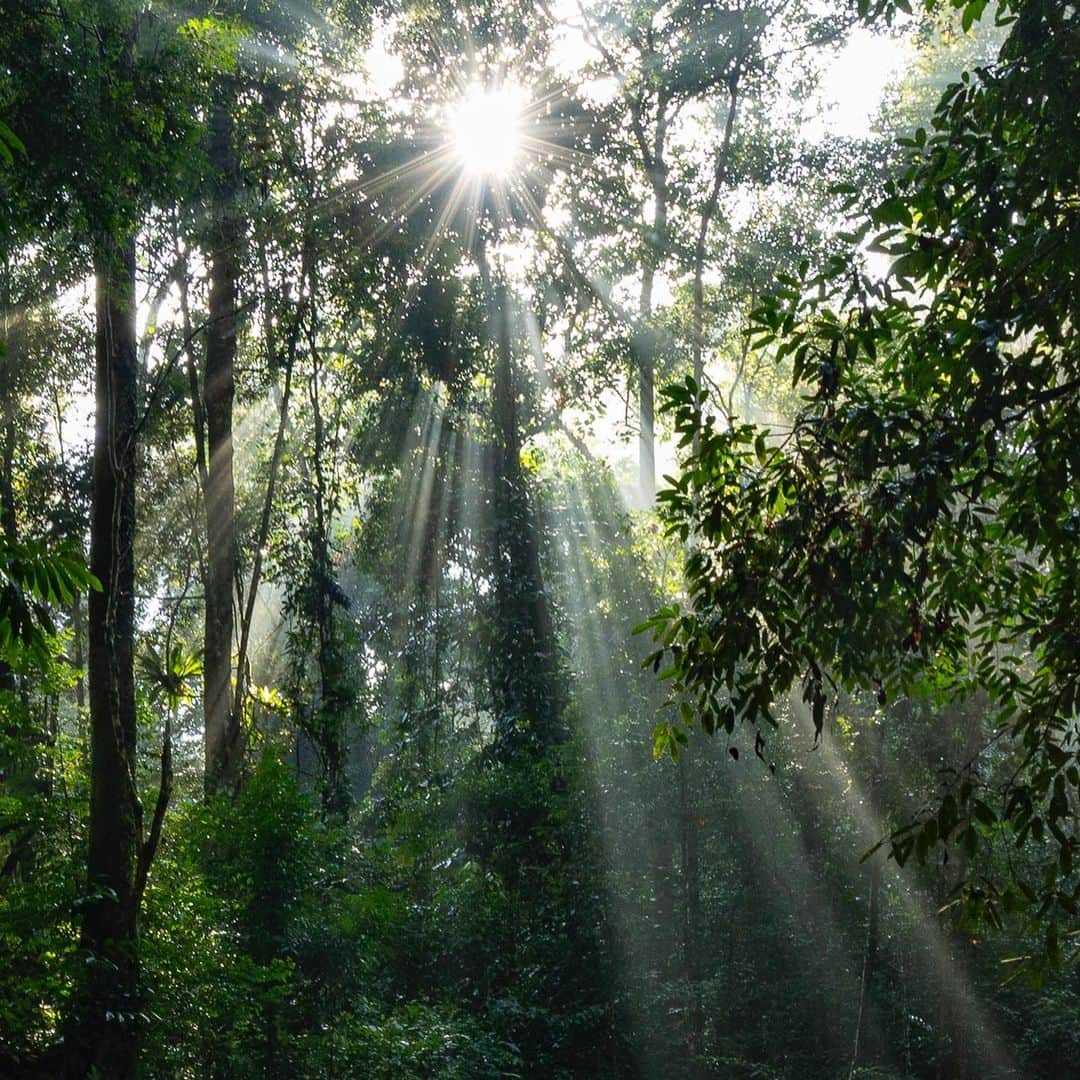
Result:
{"points": [[423, 189], [420, 500], [466, 190], [387, 179], [926, 926]]}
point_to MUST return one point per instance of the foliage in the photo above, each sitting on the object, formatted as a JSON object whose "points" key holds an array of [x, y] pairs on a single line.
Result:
{"points": [[415, 1042], [38, 936], [914, 532], [10, 144], [168, 674], [33, 578]]}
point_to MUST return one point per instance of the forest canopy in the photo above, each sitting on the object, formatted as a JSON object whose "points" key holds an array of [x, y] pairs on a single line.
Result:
{"points": [[539, 540]]}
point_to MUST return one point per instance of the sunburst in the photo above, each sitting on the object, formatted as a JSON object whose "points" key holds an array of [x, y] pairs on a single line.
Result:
{"points": [[485, 126]]}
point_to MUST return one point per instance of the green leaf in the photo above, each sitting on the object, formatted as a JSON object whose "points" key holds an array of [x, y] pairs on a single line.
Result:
{"points": [[9, 141], [760, 447]]}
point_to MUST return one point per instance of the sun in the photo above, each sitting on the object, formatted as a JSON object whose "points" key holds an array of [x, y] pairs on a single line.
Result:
{"points": [[485, 126]]}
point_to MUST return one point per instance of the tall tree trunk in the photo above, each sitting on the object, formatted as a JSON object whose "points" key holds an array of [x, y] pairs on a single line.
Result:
{"points": [[105, 1038], [958, 1058], [867, 1044], [867, 1041], [9, 362], [691, 882], [708, 213], [333, 702], [222, 732], [22, 767], [79, 659], [75, 614], [645, 339], [526, 669]]}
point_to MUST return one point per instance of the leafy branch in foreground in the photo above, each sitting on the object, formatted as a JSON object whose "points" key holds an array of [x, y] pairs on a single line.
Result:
{"points": [[33, 577], [916, 531]]}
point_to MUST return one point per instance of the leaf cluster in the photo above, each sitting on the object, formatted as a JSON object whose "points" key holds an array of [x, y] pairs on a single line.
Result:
{"points": [[916, 529]]}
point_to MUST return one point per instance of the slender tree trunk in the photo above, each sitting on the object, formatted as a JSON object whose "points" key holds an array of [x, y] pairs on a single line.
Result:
{"points": [[9, 362], [22, 773], [691, 882], [957, 1057], [330, 709], [645, 339], [223, 742], [865, 1028], [953, 1062], [78, 631], [105, 1038], [79, 657], [708, 213], [867, 1044]]}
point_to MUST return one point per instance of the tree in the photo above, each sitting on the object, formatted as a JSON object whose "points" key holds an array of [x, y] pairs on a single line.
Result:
{"points": [[224, 749], [669, 60], [118, 99], [252, 85], [914, 532]]}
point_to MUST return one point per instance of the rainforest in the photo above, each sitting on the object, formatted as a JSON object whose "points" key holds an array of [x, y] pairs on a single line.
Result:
{"points": [[539, 539]]}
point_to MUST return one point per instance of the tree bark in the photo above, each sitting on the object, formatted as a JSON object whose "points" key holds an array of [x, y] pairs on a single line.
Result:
{"points": [[867, 1043], [645, 340], [958, 1058], [21, 778], [708, 213], [691, 882], [222, 721], [8, 363], [106, 1029], [79, 659], [331, 706], [526, 668]]}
